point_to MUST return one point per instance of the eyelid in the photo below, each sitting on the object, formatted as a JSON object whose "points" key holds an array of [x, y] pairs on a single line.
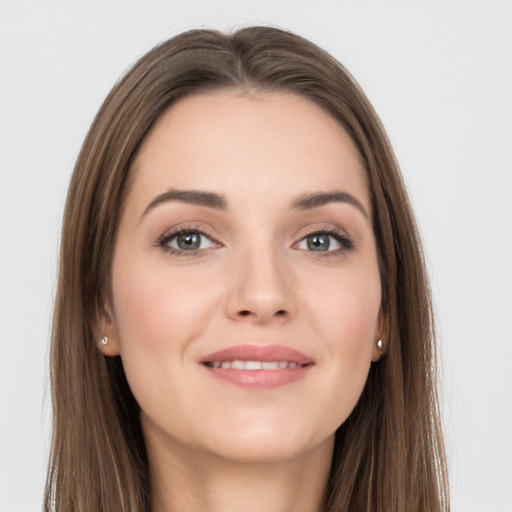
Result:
{"points": [[174, 232], [340, 235]]}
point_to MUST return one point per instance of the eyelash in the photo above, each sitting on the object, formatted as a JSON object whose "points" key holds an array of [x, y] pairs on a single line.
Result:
{"points": [[165, 239], [342, 238]]}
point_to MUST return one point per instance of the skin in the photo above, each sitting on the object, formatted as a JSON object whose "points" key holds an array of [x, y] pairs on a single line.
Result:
{"points": [[212, 445]]}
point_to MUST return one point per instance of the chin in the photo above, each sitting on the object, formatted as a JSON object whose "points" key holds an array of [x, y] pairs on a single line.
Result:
{"points": [[266, 445]]}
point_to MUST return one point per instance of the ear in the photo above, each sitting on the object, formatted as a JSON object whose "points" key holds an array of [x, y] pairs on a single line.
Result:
{"points": [[382, 334], [106, 327]]}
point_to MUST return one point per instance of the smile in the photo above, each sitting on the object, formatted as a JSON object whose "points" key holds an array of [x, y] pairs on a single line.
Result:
{"points": [[254, 365], [258, 367]]}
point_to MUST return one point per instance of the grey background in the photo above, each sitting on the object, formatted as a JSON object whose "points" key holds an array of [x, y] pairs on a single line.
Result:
{"points": [[439, 75]]}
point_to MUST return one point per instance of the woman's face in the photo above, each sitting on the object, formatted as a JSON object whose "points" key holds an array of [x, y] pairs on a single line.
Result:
{"points": [[246, 291]]}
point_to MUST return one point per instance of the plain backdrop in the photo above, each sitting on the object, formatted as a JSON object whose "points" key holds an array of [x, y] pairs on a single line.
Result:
{"points": [[440, 76]]}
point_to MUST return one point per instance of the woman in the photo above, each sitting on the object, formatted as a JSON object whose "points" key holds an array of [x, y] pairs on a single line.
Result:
{"points": [[243, 320]]}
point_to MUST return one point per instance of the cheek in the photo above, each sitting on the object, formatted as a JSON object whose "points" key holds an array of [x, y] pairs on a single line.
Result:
{"points": [[348, 310], [154, 306], [347, 323], [158, 315]]}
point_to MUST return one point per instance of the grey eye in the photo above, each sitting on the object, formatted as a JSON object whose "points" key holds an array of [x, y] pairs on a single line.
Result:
{"points": [[319, 242], [189, 241]]}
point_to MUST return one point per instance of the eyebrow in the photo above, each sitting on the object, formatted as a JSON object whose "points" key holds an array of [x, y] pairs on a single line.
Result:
{"points": [[196, 197], [317, 199], [219, 202]]}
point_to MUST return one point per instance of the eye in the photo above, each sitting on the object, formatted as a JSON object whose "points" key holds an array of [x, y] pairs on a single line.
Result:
{"points": [[325, 241], [182, 241]]}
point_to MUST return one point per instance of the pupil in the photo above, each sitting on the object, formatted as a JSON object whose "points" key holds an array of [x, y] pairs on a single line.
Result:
{"points": [[189, 241], [318, 242]]}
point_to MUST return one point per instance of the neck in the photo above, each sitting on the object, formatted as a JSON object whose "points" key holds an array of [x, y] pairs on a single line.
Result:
{"points": [[187, 481]]}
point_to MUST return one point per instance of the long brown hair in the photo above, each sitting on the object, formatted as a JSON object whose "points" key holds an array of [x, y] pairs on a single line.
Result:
{"points": [[389, 454]]}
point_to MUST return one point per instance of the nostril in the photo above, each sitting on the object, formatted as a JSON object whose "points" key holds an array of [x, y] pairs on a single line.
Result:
{"points": [[246, 312]]}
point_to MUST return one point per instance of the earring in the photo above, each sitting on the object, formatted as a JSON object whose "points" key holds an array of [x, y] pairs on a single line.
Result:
{"points": [[103, 341], [379, 345]]}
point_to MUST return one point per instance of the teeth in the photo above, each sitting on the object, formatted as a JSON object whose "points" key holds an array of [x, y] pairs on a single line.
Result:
{"points": [[254, 365]]}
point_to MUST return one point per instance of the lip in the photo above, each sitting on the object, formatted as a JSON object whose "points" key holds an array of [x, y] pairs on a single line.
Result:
{"points": [[258, 379]]}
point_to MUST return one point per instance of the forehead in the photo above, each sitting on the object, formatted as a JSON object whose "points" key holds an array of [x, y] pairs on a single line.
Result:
{"points": [[255, 145]]}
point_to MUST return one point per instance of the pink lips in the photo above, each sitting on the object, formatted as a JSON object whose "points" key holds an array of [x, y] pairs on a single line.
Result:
{"points": [[258, 366]]}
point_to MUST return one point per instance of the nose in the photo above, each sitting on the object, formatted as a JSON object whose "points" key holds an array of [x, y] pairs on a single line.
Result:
{"points": [[261, 288]]}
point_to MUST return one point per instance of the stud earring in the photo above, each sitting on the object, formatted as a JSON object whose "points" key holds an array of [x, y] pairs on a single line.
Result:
{"points": [[379, 345], [103, 341]]}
